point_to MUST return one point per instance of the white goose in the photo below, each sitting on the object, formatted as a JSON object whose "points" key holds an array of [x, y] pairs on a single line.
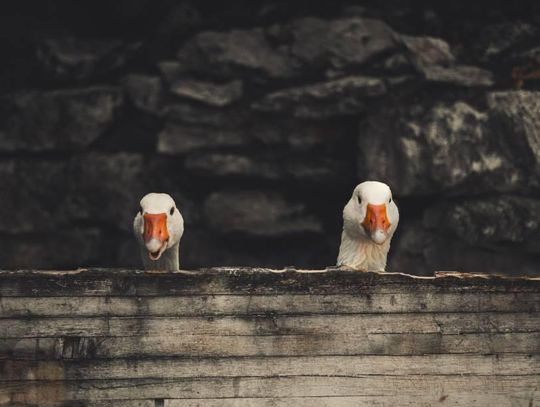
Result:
{"points": [[158, 228], [370, 218]]}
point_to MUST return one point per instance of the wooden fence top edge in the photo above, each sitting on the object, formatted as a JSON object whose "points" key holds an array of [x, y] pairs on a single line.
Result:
{"points": [[289, 272]]}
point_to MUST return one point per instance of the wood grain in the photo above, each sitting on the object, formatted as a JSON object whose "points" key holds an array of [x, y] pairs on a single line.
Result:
{"points": [[426, 388], [458, 400], [364, 324], [285, 304], [255, 337], [364, 365], [99, 282]]}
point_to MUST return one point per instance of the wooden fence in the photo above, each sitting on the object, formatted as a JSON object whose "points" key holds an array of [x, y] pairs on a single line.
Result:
{"points": [[257, 337]]}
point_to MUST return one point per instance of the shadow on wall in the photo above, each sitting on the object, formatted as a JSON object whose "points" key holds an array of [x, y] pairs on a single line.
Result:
{"points": [[259, 119]]}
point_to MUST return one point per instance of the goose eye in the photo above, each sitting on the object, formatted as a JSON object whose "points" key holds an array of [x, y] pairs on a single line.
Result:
{"points": [[359, 200], [390, 200], [141, 210], [172, 210]]}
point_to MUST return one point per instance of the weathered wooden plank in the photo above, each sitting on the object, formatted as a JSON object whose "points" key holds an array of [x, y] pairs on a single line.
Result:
{"points": [[37, 401], [242, 281], [398, 344], [456, 400], [477, 365], [263, 338], [425, 388], [269, 345], [34, 348], [53, 393], [285, 304], [325, 365], [117, 403], [357, 324]]}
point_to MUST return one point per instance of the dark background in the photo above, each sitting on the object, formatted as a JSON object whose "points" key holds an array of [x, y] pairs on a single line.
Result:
{"points": [[259, 118]]}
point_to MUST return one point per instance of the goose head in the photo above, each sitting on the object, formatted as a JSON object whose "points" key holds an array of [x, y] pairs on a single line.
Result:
{"points": [[158, 225], [371, 213]]}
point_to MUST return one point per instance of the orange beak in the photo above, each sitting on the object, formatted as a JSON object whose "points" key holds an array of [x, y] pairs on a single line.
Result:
{"points": [[376, 219], [155, 227]]}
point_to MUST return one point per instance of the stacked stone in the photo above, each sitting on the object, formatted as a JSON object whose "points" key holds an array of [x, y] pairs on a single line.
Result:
{"points": [[260, 134]]}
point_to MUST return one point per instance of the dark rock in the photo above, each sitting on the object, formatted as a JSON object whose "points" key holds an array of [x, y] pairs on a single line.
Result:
{"points": [[105, 188], [427, 51], [62, 120], [310, 36], [165, 175], [209, 93], [32, 194], [322, 100], [497, 40], [396, 63], [354, 11], [421, 149], [433, 246], [178, 139], [460, 75], [340, 43], [515, 117], [304, 136], [278, 34], [67, 249], [171, 71], [73, 59], [524, 67], [128, 254], [491, 222], [530, 58], [316, 170], [235, 53], [408, 248], [227, 165], [308, 137], [205, 248], [269, 134], [395, 81], [134, 131], [189, 113], [145, 92], [444, 253], [180, 20], [433, 59], [265, 167], [257, 213]]}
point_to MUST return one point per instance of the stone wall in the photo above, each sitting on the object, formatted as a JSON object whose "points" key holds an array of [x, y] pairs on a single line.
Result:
{"points": [[260, 117]]}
